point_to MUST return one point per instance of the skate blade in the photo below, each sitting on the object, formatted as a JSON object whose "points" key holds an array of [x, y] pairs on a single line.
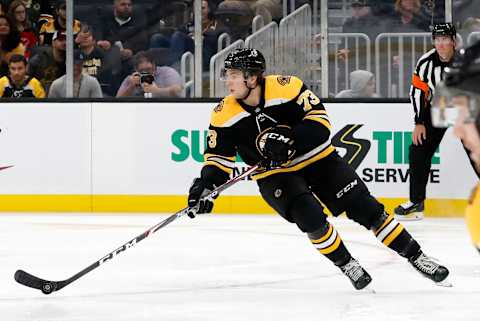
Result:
{"points": [[416, 216], [445, 284], [369, 289]]}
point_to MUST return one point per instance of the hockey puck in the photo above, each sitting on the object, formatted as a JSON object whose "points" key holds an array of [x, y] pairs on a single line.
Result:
{"points": [[47, 288]]}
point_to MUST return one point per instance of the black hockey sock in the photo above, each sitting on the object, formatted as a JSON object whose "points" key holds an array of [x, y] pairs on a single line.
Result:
{"points": [[395, 236], [328, 242]]}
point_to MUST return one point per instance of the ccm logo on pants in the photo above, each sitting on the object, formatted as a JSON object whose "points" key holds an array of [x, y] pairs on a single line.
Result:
{"points": [[347, 188]]}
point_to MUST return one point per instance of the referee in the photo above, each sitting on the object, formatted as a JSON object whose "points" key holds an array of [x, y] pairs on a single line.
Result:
{"points": [[425, 137]]}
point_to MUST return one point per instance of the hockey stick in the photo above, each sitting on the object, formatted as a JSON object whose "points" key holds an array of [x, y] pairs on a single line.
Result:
{"points": [[48, 287]]}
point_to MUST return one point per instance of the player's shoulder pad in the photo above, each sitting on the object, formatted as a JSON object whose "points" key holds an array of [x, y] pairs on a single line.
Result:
{"points": [[227, 113], [281, 89]]}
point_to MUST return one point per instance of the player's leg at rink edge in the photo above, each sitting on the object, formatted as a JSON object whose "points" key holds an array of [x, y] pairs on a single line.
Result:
{"points": [[367, 211], [290, 197]]}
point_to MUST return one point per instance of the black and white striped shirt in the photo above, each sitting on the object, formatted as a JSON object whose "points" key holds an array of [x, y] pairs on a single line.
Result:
{"points": [[428, 72]]}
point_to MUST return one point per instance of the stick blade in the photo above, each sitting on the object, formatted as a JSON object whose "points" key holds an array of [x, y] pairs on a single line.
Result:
{"points": [[32, 281]]}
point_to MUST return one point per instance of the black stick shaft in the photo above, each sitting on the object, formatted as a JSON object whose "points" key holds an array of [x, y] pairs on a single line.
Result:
{"points": [[47, 287]]}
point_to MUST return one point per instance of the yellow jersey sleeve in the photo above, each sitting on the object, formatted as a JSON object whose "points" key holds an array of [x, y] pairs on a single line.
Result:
{"points": [[4, 83], [281, 89], [227, 113], [472, 216], [37, 88]]}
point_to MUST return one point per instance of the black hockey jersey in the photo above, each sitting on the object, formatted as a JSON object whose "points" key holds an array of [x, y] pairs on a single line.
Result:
{"points": [[235, 128]]}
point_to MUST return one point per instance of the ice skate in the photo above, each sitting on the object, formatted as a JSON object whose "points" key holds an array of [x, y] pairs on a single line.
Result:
{"points": [[429, 268], [409, 211], [357, 275]]}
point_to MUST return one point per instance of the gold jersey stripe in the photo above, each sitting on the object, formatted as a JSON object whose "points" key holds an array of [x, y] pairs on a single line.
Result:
{"points": [[206, 156], [220, 166], [393, 235], [322, 121], [325, 237], [387, 221], [324, 153], [332, 247], [317, 112]]}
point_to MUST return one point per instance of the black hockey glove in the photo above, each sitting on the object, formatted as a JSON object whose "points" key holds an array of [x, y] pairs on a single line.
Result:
{"points": [[199, 189], [276, 146]]}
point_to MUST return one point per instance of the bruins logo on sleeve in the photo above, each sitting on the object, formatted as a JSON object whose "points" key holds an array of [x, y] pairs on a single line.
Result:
{"points": [[283, 80], [219, 107]]}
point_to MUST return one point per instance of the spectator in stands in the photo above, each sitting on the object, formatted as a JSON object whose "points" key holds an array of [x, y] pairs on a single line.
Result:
{"points": [[162, 39], [28, 35], [56, 23], [10, 43], [269, 10], [38, 10], [105, 65], [169, 17], [236, 16], [407, 18], [48, 62], [433, 9], [84, 85], [3, 8], [181, 40], [122, 29], [363, 21], [18, 83], [470, 25], [362, 85], [156, 81], [464, 9]]}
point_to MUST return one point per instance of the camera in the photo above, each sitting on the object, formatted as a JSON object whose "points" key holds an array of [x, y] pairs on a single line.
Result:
{"points": [[146, 77]]}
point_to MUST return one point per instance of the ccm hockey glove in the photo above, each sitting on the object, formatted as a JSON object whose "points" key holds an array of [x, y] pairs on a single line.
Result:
{"points": [[199, 189], [276, 145]]}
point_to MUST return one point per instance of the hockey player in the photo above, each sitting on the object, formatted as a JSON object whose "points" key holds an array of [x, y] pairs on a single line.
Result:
{"points": [[278, 122], [458, 103], [425, 137]]}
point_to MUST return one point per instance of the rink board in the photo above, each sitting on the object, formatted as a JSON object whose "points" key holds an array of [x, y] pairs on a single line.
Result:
{"points": [[142, 157]]}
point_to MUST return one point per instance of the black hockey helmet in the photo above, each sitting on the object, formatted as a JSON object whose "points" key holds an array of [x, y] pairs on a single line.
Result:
{"points": [[460, 79], [464, 72], [248, 60], [444, 29]]}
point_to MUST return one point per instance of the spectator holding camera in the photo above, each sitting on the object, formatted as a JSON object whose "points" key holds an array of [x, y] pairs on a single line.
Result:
{"points": [[150, 80]]}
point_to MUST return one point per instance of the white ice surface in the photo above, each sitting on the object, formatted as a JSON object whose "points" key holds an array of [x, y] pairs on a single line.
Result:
{"points": [[226, 268]]}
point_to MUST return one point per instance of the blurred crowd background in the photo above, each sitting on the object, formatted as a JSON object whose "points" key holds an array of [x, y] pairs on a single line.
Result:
{"points": [[146, 48]]}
